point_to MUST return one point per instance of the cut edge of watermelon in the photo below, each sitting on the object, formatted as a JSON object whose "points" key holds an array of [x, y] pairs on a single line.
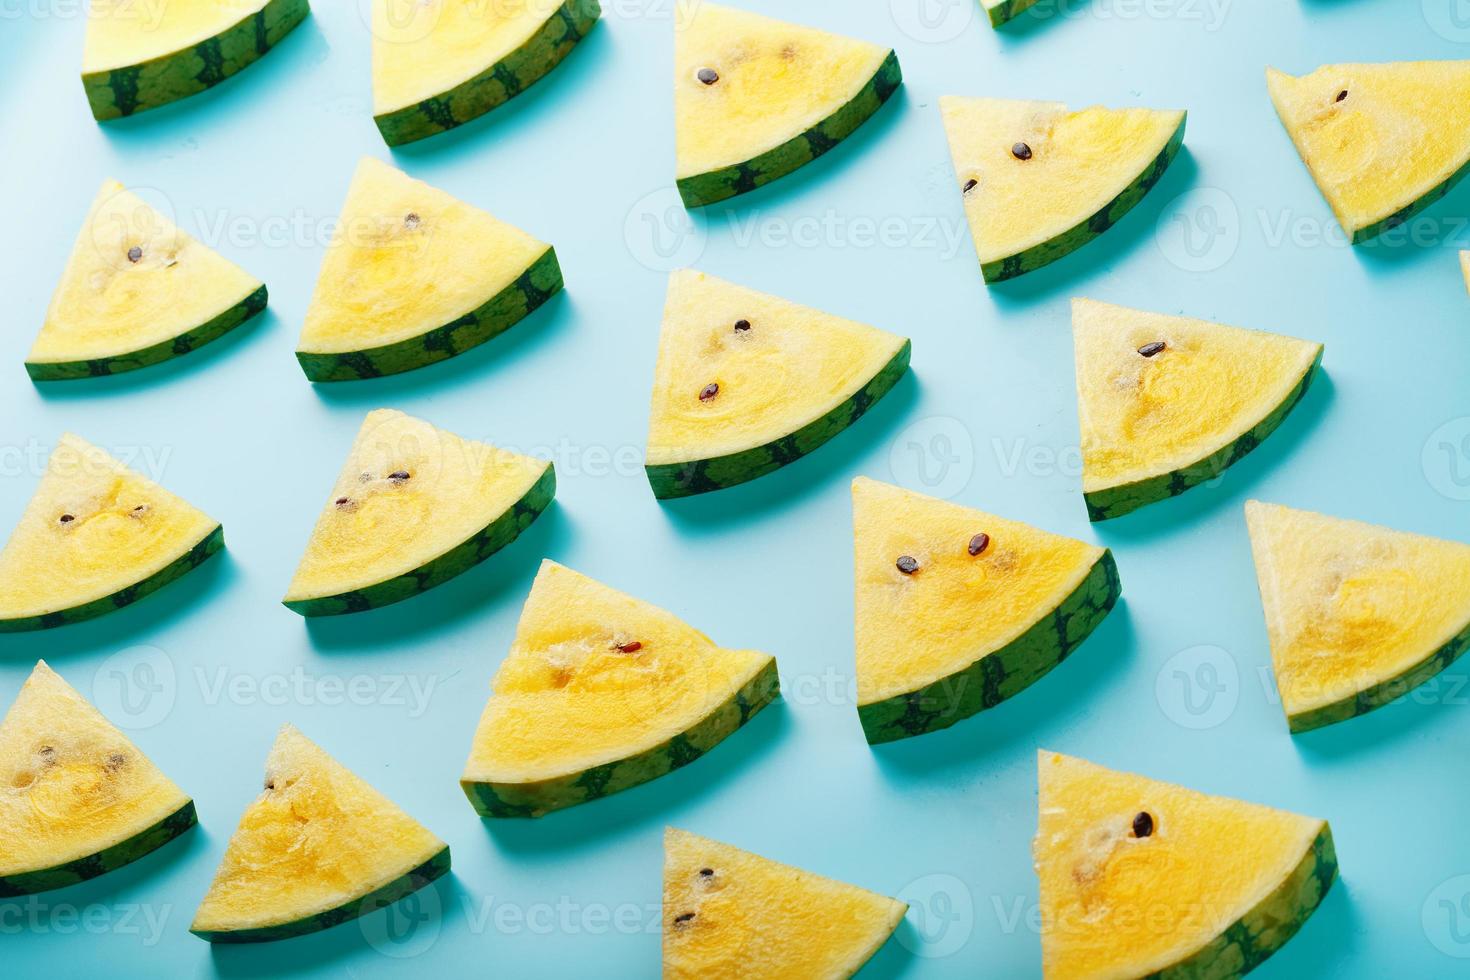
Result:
{"points": [[1001, 11], [110, 858]]}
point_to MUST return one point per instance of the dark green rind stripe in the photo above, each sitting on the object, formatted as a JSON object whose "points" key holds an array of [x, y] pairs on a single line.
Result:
{"points": [[1384, 692], [497, 84], [1251, 939], [461, 558], [541, 280], [1082, 233], [168, 78], [195, 557], [424, 874], [703, 475], [1002, 674], [176, 346], [105, 860], [538, 798], [1408, 211], [727, 182], [1003, 12], [1125, 498]]}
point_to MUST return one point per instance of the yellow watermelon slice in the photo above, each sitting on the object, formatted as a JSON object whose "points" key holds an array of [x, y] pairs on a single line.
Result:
{"points": [[1382, 141], [80, 800], [602, 692], [96, 537], [1146, 879], [747, 382], [958, 610], [318, 847], [756, 98], [1166, 402], [733, 915], [1039, 181], [1357, 615]]}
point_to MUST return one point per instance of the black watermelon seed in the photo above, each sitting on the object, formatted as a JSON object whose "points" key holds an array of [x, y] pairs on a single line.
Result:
{"points": [[343, 501], [706, 872], [135, 254], [680, 920], [400, 476], [907, 564], [270, 784], [411, 220], [67, 518], [1150, 349], [1143, 824], [710, 390], [707, 75], [632, 646], [1021, 151], [1341, 95], [970, 185], [742, 325], [979, 543]]}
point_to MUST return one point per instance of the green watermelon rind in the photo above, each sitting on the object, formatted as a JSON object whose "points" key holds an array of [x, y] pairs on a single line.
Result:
{"points": [[1083, 232], [496, 85], [1006, 10], [535, 799], [475, 549], [1001, 675], [176, 346], [400, 887], [212, 542], [1412, 209], [694, 476], [712, 186], [119, 92], [108, 859], [1249, 941], [1384, 692], [1125, 498], [538, 283]]}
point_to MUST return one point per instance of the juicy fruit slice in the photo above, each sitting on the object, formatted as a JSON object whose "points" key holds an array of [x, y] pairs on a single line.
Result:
{"points": [[96, 537], [1142, 878], [1357, 615], [438, 64], [1157, 420], [733, 915], [1039, 181], [602, 692], [137, 291], [1000, 11], [756, 98], [986, 608], [139, 58], [414, 506], [318, 847], [1381, 141], [414, 276], [747, 383], [80, 799]]}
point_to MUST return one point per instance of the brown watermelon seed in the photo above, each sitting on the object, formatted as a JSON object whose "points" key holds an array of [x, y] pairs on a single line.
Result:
{"points": [[1143, 824], [140, 510], [907, 564], [66, 518], [707, 75], [412, 220], [1341, 95], [706, 872], [135, 254], [398, 476], [684, 919], [979, 543], [343, 501], [632, 646], [710, 390], [1150, 349], [1021, 151], [742, 325], [270, 784], [970, 185], [47, 750]]}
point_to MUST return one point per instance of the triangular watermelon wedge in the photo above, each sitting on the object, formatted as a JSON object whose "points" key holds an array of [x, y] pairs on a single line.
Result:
{"points": [[602, 692], [1358, 615], [958, 610], [1039, 181], [318, 847], [414, 276], [1382, 141], [756, 98], [1141, 878], [733, 915], [140, 57], [96, 537], [439, 65], [747, 382], [80, 800], [413, 507], [137, 291], [1166, 402]]}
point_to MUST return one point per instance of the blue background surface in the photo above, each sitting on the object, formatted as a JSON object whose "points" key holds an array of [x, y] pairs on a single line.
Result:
{"points": [[1174, 684]]}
